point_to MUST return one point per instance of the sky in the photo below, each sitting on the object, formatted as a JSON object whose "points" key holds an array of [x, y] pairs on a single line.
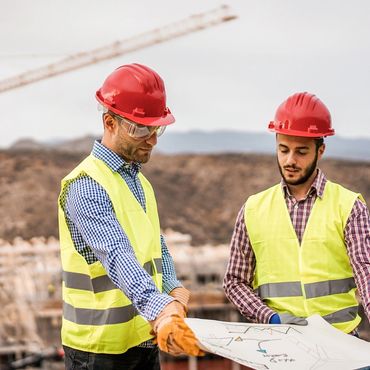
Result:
{"points": [[231, 76]]}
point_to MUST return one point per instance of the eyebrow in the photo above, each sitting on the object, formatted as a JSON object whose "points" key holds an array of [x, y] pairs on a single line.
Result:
{"points": [[297, 148]]}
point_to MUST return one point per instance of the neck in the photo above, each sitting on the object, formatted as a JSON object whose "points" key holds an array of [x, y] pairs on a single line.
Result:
{"points": [[110, 145], [107, 143], [300, 191]]}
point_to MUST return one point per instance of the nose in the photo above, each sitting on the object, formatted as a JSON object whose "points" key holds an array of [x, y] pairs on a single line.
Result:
{"points": [[291, 159]]}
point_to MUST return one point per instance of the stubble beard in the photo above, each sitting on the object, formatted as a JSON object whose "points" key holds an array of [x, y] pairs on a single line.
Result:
{"points": [[306, 175], [130, 154]]}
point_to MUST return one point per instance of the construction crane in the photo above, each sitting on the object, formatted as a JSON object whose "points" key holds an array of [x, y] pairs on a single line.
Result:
{"points": [[191, 24]]}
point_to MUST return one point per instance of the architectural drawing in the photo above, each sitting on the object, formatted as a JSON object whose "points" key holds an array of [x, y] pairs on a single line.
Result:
{"points": [[317, 346]]}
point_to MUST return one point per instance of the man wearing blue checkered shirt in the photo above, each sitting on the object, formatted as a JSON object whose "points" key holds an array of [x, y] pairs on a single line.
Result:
{"points": [[119, 282]]}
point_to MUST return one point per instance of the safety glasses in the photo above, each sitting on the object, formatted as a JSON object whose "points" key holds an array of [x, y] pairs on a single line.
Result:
{"points": [[137, 131]]}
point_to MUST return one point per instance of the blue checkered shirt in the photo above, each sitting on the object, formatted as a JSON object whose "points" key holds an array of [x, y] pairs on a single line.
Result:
{"points": [[97, 235]]}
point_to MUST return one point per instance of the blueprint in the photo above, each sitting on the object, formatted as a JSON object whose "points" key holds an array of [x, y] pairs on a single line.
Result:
{"points": [[317, 346]]}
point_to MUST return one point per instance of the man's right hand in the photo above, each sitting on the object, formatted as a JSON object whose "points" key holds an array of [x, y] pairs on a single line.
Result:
{"points": [[176, 338], [173, 335]]}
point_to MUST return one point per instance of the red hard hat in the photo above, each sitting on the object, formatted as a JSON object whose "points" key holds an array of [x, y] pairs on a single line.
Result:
{"points": [[136, 92], [302, 114]]}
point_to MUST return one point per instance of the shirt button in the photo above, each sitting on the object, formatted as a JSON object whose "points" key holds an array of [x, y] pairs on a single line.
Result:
{"points": [[296, 206]]}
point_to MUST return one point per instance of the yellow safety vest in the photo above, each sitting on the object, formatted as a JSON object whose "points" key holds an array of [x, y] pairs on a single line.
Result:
{"points": [[312, 278], [97, 316]]}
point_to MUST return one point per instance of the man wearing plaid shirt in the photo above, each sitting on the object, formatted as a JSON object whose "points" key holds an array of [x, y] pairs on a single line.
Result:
{"points": [[119, 283], [301, 247]]}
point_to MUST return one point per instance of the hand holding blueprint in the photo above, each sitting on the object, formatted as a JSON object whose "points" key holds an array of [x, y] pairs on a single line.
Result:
{"points": [[317, 346]]}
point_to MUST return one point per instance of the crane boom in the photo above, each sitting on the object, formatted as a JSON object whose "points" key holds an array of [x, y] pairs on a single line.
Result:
{"points": [[191, 24]]}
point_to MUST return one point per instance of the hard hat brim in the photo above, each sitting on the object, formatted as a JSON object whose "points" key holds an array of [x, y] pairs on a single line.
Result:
{"points": [[166, 120], [301, 133]]}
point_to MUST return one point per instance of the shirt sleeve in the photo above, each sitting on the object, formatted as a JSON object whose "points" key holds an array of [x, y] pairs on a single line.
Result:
{"points": [[90, 209], [239, 276], [170, 281], [357, 237]]}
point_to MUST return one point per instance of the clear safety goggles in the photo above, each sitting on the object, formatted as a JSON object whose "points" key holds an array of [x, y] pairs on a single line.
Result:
{"points": [[137, 131]]}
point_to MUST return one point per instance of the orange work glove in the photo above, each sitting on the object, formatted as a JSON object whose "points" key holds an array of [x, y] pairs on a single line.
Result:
{"points": [[173, 308], [182, 295], [175, 337], [169, 333]]}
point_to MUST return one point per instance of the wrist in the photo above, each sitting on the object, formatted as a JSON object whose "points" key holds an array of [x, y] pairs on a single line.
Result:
{"points": [[181, 294]]}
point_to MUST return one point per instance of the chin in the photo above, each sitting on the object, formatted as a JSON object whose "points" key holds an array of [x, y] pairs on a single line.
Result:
{"points": [[143, 158], [292, 180]]}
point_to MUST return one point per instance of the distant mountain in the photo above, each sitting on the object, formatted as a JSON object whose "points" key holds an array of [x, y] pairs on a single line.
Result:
{"points": [[28, 144], [80, 145], [248, 142], [214, 142]]}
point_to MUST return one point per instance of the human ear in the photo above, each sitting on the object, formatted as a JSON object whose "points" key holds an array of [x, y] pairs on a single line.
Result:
{"points": [[321, 151], [109, 122]]}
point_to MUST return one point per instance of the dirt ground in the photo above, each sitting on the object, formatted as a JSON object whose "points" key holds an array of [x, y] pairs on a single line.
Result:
{"points": [[197, 194]]}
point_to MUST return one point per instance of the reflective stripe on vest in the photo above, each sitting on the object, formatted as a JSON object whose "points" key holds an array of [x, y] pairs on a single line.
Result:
{"points": [[291, 289], [314, 277], [323, 288], [312, 290], [98, 317], [110, 316], [76, 280], [344, 315]]}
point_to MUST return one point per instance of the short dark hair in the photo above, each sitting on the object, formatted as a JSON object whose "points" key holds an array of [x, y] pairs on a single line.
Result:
{"points": [[319, 142]]}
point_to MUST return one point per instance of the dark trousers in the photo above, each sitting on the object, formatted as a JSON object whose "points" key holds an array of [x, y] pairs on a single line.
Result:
{"points": [[135, 358]]}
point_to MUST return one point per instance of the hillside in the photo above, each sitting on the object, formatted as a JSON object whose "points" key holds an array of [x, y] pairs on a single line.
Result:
{"points": [[215, 142], [197, 194]]}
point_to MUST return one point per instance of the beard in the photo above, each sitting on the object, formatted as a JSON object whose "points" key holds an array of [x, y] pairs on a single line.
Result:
{"points": [[306, 173], [131, 153]]}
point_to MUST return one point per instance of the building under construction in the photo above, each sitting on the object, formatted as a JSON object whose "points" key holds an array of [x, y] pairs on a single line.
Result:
{"points": [[31, 297]]}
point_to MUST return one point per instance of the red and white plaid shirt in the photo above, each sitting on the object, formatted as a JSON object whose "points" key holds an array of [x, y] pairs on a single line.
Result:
{"points": [[240, 270]]}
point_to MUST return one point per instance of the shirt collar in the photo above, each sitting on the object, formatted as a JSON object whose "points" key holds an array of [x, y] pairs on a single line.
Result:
{"points": [[112, 159], [317, 186]]}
